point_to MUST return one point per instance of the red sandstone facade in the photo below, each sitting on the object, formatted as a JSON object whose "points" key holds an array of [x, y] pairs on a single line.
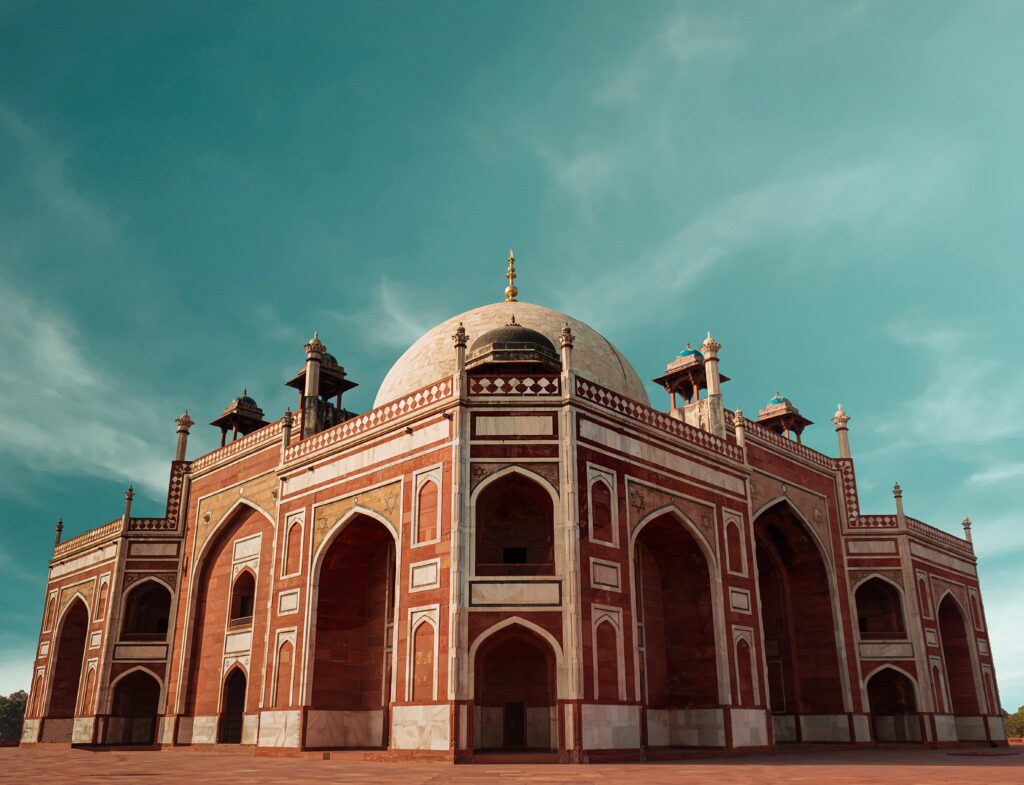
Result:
{"points": [[514, 556]]}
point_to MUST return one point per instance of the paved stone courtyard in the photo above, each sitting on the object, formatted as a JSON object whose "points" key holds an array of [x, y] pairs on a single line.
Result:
{"points": [[920, 767]]}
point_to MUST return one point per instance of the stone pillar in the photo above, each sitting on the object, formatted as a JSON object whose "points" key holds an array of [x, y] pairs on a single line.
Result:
{"points": [[126, 518], [842, 420], [741, 431], [565, 342], [286, 429], [967, 529], [57, 532], [901, 518], [184, 423], [715, 422], [459, 341]]}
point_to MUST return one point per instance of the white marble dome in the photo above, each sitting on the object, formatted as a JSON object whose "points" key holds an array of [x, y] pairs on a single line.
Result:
{"points": [[432, 357]]}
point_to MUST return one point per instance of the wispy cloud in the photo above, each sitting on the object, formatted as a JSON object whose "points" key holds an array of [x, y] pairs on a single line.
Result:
{"points": [[583, 175], [680, 41], [999, 473], [396, 317], [880, 193]]}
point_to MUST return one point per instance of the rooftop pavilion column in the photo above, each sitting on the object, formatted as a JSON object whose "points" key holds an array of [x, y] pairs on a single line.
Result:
{"points": [[128, 496], [286, 429], [842, 420], [314, 355], [565, 342], [459, 340], [184, 423], [710, 349], [967, 529], [57, 532]]}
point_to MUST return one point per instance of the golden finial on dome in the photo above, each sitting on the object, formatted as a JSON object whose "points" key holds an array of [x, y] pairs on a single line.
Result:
{"points": [[511, 291]]}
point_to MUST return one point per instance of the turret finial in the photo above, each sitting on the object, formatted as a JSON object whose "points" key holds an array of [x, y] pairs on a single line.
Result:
{"points": [[511, 291]]}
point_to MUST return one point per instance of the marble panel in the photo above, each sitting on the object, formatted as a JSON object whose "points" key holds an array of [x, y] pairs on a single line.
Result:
{"points": [[996, 728], [749, 728], [862, 727], [248, 548], [85, 560], [140, 651], [494, 593], [280, 728], [739, 600], [887, 650], [421, 727], [514, 426], [610, 727], [605, 575], [344, 728], [424, 575], [94, 640], [165, 734], [30, 731], [970, 729], [204, 729], [871, 546], [153, 549], [945, 727], [81, 733], [685, 728], [250, 728], [235, 642], [783, 728], [824, 727], [288, 602]]}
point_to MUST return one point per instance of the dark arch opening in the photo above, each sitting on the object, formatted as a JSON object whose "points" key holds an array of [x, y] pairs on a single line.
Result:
{"points": [[514, 528], [956, 652], [799, 626], [893, 707], [879, 611], [354, 636], [147, 608], [676, 626], [134, 710], [514, 686], [232, 713], [67, 670]]}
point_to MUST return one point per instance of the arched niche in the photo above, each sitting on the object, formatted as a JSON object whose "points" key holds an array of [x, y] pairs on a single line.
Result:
{"points": [[513, 514]]}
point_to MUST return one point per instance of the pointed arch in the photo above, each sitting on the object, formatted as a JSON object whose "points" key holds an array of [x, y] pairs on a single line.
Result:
{"points": [[512, 621], [284, 674], [427, 522], [881, 608], [893, 699], [293, 549], [135, 700], [146, 609], [721, 655], [242, 601], [69, 657], [234, 696], [338, 526], [422, 676], [966, 695], [823, 550]]}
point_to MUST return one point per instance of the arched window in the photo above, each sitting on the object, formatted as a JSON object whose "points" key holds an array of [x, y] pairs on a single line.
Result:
{"points": [[937, 691], [976, 613], [893, 707], [423, 662], [601, 511], [922, 590], [232, 713], [147, 608], [735, 548], [283, 685], [37, 697], [514, 528], [90, 686], [426, 512], [956, 654], [51, 608], [745, 671], [879, 611], [243, 595], [606, 642], [293, 550]]}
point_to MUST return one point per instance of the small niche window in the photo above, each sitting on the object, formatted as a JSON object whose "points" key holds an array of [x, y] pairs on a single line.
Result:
{"points": [[242, 596]]}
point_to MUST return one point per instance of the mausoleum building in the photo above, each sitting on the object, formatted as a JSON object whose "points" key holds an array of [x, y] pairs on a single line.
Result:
{"points": [[512, 551]]}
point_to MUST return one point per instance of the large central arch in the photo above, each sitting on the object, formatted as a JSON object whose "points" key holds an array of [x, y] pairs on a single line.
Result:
{"points": [[134, 708], [351, 687], [67, 671], [682, 672], [805, 676]]}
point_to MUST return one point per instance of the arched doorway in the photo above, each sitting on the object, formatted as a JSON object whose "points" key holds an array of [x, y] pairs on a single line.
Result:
{"points": [[67, 669], [676, 633], [147, 608], [514, 692], [232, 712], [352, 667], [134, 709], [804, 677], [893, 707], [514, 520], [956, 652]]}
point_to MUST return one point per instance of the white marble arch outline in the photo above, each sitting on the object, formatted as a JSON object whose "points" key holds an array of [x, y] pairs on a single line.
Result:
{"points": [[833, 589], [606, 614], [108, 697], [972, 649], [890, 666], [595, 474], [313, 598], [197, 563], [235, 664], [717, 601], [426, 614], [434, 474], [58, 631], [561, 677], [556, 518], [741, 633], [119, 617]]}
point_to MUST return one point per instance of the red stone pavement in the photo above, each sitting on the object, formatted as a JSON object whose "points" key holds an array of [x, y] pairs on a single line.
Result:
{"points": [[918, 767]]}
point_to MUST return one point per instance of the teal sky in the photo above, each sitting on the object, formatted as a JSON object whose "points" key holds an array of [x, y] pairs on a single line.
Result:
{"points": [[188, 190]]}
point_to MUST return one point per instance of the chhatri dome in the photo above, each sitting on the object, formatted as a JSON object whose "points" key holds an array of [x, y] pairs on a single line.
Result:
{"points": [[432, 357]]}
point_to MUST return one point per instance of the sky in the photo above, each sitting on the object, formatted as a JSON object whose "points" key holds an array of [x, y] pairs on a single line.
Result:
{"points": [[189, 190]]}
